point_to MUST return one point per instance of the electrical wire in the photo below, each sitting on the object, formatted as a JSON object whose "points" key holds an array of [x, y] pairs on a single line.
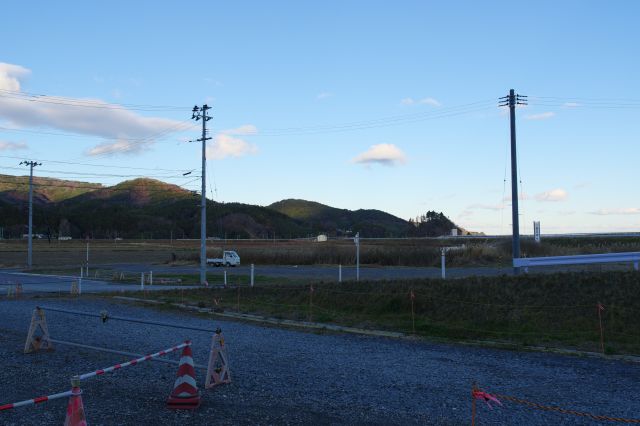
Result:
{"points": [[383, 122], [99, 165], [85, 103]]}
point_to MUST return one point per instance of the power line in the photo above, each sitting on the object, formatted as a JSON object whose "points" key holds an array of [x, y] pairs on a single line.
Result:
{"points": [[101, 165], [185, 125], [88, 174], [383, 122], [85, 103]]}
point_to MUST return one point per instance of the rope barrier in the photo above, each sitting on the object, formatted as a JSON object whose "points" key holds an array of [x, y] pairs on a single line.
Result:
{"points": [[105, 316], [133, 361], [537, 406], [496, 397], [114, 351]]}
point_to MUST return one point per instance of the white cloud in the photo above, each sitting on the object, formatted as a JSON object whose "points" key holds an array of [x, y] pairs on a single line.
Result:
{"points": [[87, 116], [324, 95], [423, 101], [12, 146], [245, 129], [623, 211], [385, 153], [225, 145], [10, 76], [541, 116], [557, 194], [571, 105], [118, 147]]}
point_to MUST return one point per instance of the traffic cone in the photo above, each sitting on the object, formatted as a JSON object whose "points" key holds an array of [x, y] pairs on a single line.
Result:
{"points": [[185, 395], [75, 409], [218, 369]]}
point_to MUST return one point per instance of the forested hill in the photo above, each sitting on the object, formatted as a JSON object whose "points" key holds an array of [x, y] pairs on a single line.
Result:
{"points": [[148, 208]]}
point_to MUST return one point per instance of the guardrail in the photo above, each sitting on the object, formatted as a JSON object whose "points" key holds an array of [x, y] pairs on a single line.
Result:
{"points": [[581, 259]]}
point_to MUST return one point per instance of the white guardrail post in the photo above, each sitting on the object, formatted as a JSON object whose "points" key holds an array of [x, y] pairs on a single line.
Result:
{"points": [[252, 273], [442, 262]]}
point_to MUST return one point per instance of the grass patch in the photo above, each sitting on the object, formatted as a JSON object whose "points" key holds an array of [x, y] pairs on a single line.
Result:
{"points": [[548, 310]]}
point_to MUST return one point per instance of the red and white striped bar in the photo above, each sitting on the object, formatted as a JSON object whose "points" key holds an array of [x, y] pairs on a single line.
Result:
{"points": [[41, 399], [134, 361], [34, 401]]}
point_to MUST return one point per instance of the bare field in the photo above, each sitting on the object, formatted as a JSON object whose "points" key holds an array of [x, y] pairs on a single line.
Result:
{"points": [[494, 252]]}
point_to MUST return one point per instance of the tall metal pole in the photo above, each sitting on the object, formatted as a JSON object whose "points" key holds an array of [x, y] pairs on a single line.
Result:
{"points": [[512, 100], [203, 206], [201, 113], [357, 241], [30, 254], [31, 165], [515, 220]]}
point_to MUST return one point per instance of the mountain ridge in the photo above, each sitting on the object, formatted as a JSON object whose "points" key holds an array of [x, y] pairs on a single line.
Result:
{"points": [[149, 208]]}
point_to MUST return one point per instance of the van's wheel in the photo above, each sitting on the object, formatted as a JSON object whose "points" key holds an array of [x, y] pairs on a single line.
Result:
{"points": [[227, 264]]}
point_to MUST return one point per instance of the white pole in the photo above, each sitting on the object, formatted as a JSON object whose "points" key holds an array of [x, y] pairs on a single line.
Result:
{"points": [[225, 278], [340, 273], [357, 241], [442, 263], [79, 286], [252, 272], [81, 271], [150, 277], [141, 280]]}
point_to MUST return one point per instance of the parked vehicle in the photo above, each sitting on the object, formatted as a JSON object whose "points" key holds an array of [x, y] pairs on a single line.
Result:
{"points": [[229, 258]]}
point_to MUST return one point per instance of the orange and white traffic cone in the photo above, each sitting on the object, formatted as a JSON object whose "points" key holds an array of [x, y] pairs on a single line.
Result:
{"points": [[185, 395], [75, 409]]}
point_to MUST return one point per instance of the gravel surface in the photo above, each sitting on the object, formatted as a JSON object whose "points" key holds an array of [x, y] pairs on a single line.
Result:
{"points": [[291, 377]]}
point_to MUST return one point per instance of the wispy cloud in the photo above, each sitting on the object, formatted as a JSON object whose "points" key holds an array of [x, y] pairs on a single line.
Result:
{"points": [[557, 194], [119, 147], [385, 153], [245, 129], [480, 206], [227, 144], [93, 117], [571, 105], [541, 116], [12, 146], [324, 95], [423, 101], [622, 211], [522, 196], [581, 185]]}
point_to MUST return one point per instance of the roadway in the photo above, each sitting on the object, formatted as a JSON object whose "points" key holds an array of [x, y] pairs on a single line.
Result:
{"points": [[44, 283]]}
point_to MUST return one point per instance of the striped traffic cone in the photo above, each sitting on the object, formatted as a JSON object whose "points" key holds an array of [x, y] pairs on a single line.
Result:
{"points": [[185, 395], [75, 409]]}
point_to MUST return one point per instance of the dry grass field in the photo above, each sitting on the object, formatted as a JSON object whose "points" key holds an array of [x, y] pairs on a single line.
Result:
{"points": [[385, 252]]}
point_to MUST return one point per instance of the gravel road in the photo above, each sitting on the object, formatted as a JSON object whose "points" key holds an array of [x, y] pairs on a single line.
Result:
{"points": [[291, 377]]}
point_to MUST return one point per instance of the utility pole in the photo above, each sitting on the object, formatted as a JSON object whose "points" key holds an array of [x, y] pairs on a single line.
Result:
{"points": [[31, 165], [356, 240], [197, 114], [511, 101]]}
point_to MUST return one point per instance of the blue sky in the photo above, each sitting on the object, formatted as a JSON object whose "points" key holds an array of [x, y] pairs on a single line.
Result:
{"points": [[355, 104]]}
